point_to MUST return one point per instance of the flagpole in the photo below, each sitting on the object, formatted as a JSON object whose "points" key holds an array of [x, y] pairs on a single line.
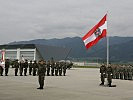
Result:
{"points": [[107, 48], [107, 51]]}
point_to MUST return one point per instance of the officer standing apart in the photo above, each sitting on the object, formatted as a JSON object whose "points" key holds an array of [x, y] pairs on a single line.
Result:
{"points": [[103, 73], [41, 73]]}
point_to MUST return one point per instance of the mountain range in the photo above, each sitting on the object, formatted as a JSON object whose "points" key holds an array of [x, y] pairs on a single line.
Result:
{"points": [[120, 48]]}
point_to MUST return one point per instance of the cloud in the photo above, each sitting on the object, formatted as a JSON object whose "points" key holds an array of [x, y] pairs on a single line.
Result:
{"points": [[32, 19]]}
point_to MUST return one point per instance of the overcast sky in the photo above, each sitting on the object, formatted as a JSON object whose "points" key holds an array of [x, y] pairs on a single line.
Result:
{"points": [[35, 19]]}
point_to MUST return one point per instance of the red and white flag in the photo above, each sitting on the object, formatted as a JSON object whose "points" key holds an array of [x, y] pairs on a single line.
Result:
{"points": [[96, 33], [2, 61]]}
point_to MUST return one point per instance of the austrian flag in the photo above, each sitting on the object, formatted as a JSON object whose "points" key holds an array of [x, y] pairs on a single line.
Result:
{"points": [[96, 33]]}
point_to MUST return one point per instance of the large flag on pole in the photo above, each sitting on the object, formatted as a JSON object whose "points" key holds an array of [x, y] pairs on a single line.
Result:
{"points": [[96, 33], [2, 61]]}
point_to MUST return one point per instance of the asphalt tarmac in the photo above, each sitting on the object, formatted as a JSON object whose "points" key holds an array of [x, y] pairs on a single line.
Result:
{"points": [[79, 84]]}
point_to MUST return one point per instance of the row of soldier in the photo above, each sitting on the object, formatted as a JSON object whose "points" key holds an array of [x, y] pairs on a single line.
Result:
{"points": [[52, 68], [122, 72]]}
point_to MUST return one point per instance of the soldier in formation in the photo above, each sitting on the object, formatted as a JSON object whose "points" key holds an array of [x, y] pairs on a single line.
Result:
{"points": [[16, 66], [35, 66], [60, 68], [121, 69], [64, 69], [48, 68], [21, 68], [1, 70], [55, 68], [30, 67], [53, 64], [7, 65], [25, 67]]}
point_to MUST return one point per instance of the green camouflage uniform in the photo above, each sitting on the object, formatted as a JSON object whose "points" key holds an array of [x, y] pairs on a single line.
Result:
{"points": [[52, 66], [109, 75], [60, 69], [121, 72], [25, 67], [41, 74], [117, 72], [16, 66], [35, 66], [129, 73], [56, 68], [1, 71], [7, 64], [48, 68], [21, 68], [30, 67], [125, 73], [103, 74], [64, 69]]}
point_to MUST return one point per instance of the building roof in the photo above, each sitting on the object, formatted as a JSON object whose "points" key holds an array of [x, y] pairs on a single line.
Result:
{"points": [[58, 53], [21, 46]]}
